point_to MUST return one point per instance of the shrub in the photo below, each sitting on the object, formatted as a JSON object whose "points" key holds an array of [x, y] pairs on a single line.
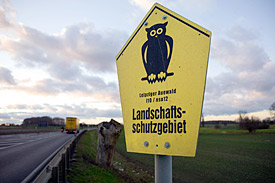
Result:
{"points": [[249, 124], [252, 124], [263, 125], [217, 126]]}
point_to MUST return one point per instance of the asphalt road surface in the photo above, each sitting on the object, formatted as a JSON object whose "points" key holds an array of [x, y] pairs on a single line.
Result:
{"points": [[20, 154]]}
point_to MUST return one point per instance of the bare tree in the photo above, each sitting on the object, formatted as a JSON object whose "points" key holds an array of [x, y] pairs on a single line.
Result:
{"points": [[248, 124], [202, 120], [242, 115], [272, 111], [108, 133]]}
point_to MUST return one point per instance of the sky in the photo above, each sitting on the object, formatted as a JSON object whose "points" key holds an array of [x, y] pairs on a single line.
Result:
{"points": [[57, 58]]}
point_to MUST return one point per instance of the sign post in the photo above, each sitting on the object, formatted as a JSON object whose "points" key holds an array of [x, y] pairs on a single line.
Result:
{"points": [[163, 169], [162, 72]]}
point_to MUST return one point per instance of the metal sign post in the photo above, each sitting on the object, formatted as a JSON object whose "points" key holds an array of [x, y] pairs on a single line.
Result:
{"points": [[163, 169]]}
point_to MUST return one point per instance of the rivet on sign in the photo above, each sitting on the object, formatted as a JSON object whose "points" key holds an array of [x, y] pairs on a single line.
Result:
{"points": [[146, 23], [167, 145], [146, 144], [164, 17]]}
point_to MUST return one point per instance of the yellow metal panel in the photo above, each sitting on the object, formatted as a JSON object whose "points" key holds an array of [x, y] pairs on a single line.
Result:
{"points": [[162, 96], [72, 123]]}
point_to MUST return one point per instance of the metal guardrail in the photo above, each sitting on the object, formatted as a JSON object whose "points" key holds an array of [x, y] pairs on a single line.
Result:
{"points": [[49, 168]]}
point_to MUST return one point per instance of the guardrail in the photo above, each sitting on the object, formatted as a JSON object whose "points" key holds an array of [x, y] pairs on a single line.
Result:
{"points": [[49, 168]]}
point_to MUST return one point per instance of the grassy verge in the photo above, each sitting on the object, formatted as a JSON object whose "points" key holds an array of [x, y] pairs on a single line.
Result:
{"points": [[146, 161], [132, 170], [85, 169]]}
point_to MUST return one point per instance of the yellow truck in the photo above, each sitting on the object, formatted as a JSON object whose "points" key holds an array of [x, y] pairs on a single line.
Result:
{"points": [[72, 125]]}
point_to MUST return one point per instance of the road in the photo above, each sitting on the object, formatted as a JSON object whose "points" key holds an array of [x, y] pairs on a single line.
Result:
{"points": [[20, 154]]}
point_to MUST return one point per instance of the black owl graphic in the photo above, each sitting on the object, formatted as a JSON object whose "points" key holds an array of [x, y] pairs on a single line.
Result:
{"points": [[156, 53]]}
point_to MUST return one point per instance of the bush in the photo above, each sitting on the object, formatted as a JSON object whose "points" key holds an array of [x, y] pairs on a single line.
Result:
{"points": [[217, 126], [252, 124], [263, 125], [249, 124]]}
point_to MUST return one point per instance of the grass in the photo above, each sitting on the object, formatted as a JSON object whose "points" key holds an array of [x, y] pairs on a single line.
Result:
{"points": [[84, 169], [221, 157], [229, 158], [233, 129], [144, 160], [87, 173]]}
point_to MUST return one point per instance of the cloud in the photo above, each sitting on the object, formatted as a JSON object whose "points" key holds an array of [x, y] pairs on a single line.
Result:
{"points": [[6, 76], [79, 61], [143, 4], [7, 14], [19, 112], [239, 55], [3, 19], [239, 33], [4, 116], [195, 5], [95, 49], [189, 7], [82, 86], [79, 43], [71, 58], [84, 111], [249, 84]]}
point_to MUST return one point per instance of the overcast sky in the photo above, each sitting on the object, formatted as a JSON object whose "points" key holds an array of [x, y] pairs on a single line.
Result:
{"points": [[57, 57]]}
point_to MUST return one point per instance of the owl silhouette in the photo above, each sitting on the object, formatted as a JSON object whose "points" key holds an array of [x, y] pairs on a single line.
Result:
{"points": [[156, 53]]}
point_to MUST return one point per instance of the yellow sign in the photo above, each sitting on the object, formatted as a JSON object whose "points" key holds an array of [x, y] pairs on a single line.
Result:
{"points": [[162, 71]]}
